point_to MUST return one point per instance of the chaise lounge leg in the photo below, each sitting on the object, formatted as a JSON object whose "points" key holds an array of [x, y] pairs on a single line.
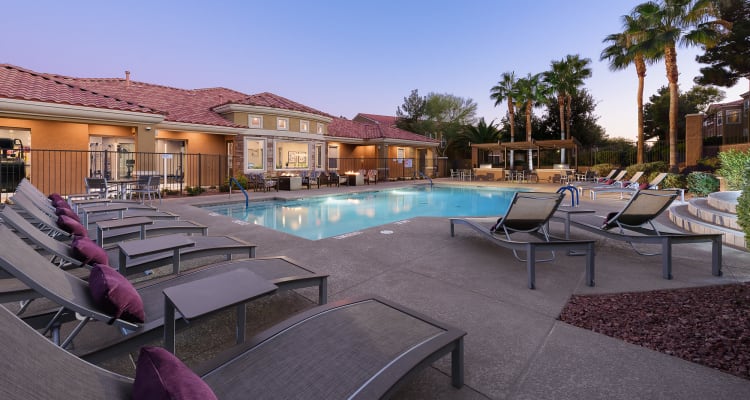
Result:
{"points": [[590, 264], [457, 365], [666, 258], [531, 264], [716, 256], [323, 291]]}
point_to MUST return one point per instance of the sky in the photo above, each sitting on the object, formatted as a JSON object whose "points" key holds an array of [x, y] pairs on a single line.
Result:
{"points": [[341, 57]]}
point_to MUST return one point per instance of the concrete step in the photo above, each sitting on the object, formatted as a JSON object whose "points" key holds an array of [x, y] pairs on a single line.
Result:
{"points": [[724, 201], [701, 208], [681, 216]]}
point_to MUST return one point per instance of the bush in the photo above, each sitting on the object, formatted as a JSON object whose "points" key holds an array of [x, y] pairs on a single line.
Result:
{"points": [[650, 170], [194, 190], [677, 181], [602, 169], [242, 179], [743, 207], [701, 183], [733, 166]]}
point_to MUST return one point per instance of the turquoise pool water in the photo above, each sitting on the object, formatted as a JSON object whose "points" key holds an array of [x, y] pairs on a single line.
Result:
{"points": [[326, 216]]}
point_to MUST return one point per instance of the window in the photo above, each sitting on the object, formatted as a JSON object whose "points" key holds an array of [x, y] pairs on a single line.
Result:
{"points": [[291, 155], [319, 128], [304, 126], [733, 116], [318, 156], [718, 118], [254, 155], [255, 121], [746, 105], [282, 124], [333, 157]]}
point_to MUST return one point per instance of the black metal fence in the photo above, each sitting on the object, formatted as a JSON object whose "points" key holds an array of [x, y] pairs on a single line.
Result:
{"points": [[63, 171]]}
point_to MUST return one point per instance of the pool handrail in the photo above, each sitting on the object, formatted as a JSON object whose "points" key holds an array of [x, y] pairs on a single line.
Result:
{"points": [[236, 182], [425, 177]]}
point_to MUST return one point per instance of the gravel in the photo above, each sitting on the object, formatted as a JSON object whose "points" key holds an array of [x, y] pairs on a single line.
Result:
{"points": [[706, 325]]}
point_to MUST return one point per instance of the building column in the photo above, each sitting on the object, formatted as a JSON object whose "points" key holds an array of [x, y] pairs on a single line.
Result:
{"points": [[693, 139]]}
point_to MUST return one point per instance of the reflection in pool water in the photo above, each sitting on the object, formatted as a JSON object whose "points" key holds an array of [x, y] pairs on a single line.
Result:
{"points": [[325, 216]]}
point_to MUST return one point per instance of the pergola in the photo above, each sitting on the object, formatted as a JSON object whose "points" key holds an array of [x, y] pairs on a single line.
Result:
{"points": [[534, 145]]}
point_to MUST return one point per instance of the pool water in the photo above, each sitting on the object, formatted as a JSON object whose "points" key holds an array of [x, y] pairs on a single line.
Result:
{"points": [[327, 216]]}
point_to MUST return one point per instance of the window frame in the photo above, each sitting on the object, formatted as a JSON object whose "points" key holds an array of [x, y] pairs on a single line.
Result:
{"points": [[282, 124]]}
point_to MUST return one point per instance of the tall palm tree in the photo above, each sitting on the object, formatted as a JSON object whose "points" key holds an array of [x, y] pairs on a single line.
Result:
{"points": [[565, 77], [672, 22], [531, 91], [621, 53], [506, 90]]}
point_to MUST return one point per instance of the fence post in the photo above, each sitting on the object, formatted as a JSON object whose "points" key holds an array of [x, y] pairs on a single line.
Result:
{"points": [[200, 169]]}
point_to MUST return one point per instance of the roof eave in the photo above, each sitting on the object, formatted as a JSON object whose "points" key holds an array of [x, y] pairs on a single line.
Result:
{"points": [[42, 110], [233, 107]]}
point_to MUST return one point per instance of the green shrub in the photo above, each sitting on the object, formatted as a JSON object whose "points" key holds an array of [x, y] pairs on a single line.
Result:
{"points": [[710, 163], [701, 183], [242, 179], [733, 165], [672, 181], [650, 170], [743, 207], [602, 169], [194, 190]]}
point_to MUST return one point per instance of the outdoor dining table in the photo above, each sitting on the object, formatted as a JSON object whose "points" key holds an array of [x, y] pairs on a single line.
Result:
{"points": [[123, 184]]}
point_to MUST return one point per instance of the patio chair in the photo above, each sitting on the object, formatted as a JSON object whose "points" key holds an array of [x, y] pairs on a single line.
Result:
{"points": [[147, 186], [334, 179], [635, 224], [310, 178], [99, 186], [529, 212], [163, 249], [630, 188], [372, 176], [383, 342], [73, 295]]}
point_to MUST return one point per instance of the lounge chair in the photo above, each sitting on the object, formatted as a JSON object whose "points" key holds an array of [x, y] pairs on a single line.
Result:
{"points": [[529, 212], [128, 256], [635, 224], [630, 183], [155, 227], [72, 294], [364, 348], [630, 188]]}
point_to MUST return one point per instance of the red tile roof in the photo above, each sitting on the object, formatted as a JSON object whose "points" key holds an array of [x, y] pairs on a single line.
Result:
{"points": [[386, 120], [22, 84], [344, 128], [180, 105], [266, 99]]}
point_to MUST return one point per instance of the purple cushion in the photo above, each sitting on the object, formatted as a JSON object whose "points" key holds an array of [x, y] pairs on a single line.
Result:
{"points": [[161, 375], [609, 216], [60, 203], [67, 212], [88, 252], [609, 181], [71, 226], [643, 186], [55, 196], [115, 295]]}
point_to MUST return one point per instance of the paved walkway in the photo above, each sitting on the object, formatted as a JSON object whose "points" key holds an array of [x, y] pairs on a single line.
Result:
{"points": [[515, 347]]}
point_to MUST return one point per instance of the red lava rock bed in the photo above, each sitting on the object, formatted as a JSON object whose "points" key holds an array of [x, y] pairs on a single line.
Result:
{"points": [[706, 325]]}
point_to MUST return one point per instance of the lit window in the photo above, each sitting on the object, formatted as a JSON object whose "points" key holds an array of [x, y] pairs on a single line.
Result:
{"points": [[282, 124], [304, 126], [254, 159], [320, 128], [733, 116], [255, 121]]}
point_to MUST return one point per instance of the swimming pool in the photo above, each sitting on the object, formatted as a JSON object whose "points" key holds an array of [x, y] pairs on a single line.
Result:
{"points": [[326, 216]]}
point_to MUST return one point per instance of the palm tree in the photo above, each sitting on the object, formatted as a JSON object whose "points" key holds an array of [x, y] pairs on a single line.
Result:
{"points": [[565, 77], [482, 133], [621, 53], [667, 23], [506, 89], [531, 91]]}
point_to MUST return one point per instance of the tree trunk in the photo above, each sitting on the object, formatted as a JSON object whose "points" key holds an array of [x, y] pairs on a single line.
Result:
{"points": [[561, 105], [530, 159], [640, 68], [670, 60], [511, 112]]}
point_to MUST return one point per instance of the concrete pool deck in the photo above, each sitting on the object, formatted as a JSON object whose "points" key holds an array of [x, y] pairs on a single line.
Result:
{"points": [[515, 347]]}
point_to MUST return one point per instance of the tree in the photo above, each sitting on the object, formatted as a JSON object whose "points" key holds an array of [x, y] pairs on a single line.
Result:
{"points": [[565, 77], [411, 113], [584, 127], [667, 24], [729, 60], [446, 116], [532, 91], [621, 53], [506, 90], [656, 112]]}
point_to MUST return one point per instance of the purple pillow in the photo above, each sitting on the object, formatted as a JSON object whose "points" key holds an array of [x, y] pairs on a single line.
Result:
{"points": [[55, 196], [643, 186], [60, 203], [161, 375], [67, 212], [115, 295], [71, 226], [88, 252], [609, 216], [609, 181]]}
